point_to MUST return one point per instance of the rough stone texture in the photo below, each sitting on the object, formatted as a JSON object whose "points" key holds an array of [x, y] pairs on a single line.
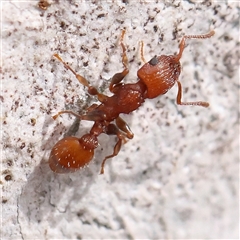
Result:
{"points": [[178, 177]]}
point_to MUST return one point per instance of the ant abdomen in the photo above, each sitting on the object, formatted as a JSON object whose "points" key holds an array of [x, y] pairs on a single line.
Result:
{"points": [[70, 154]]}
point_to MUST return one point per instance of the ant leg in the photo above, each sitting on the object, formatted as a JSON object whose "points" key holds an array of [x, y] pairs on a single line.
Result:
{"points": [[116, 150], [122, 125], [182, 43], [118, 77], [66, 111], [113, 130], [141, 51], [95, 115], [89, 109], [179, 97], [92, 107], [91, 90]]}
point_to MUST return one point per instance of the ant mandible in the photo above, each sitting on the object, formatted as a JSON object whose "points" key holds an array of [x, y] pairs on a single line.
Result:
{"points": [[155, 78]]}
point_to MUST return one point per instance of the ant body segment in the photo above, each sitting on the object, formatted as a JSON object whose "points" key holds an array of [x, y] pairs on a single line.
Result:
{"points": [[155, 78]]}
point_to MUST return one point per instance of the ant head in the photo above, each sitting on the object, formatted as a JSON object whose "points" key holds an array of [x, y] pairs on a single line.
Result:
{"points": [[159, 74], [68, 155]]}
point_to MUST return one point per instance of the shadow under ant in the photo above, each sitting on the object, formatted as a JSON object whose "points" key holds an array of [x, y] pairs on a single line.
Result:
{"points": [[46, 192]]}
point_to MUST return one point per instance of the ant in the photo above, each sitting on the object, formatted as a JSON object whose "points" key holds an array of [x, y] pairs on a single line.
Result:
{"points": [[155, 78]]}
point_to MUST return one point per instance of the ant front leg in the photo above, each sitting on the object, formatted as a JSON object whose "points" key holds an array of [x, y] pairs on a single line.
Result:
{"points": [[118, 77], [91, 90]]}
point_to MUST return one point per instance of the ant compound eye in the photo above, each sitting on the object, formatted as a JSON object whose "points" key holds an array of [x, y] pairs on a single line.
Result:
{"points": [[154, 61]]}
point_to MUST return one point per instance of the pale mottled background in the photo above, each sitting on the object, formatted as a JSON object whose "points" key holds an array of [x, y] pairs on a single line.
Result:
{"points": [[177, 179]]}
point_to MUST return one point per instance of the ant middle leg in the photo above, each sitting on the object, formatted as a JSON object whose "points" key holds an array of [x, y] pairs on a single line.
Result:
{"points": [[118, 77], [66, 111], [123, 126], [95, 115], [91, 90]]}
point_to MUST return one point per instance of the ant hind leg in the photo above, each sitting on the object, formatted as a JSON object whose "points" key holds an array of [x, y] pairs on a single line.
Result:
{"points": [[116, 150], [113, 130]]}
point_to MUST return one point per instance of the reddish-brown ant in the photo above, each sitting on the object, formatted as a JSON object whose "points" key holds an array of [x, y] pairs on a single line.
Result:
{"points": [[155, 78]]}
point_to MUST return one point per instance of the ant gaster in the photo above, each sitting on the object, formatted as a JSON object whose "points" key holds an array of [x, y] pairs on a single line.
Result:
{"points": [[155, 78]]}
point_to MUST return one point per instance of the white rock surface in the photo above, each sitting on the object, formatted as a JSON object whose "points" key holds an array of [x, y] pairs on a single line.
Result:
{"points": [[177, 179]]}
